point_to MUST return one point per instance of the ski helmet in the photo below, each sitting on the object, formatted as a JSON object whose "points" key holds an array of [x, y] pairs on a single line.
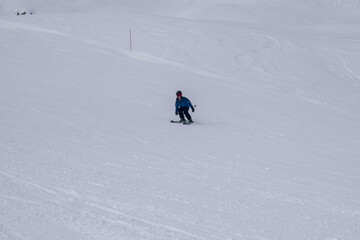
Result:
{"points": [[178, 93]]}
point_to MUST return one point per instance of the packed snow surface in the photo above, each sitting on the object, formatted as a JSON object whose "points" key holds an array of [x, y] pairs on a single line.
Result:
{"points": [[87, 150]]}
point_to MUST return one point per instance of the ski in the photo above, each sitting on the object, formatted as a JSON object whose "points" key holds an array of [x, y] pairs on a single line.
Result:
{"points": [[185, 123]]}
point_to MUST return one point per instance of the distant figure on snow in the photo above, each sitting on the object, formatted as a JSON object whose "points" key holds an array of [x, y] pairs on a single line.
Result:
{"points": [[22, 13], [182, 105]]}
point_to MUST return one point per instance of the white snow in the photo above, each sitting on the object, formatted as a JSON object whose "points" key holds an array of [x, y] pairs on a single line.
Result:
{"points": [[87, 150]]}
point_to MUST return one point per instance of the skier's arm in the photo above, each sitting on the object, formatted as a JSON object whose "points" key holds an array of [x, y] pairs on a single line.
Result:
{"points": [[176, 108], [191, 106]]}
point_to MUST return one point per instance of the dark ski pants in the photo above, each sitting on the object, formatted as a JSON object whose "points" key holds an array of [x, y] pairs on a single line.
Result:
{"points": [[184, 111]]}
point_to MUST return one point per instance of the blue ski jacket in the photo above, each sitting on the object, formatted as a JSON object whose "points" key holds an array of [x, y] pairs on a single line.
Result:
{"points": [[183, 102]]}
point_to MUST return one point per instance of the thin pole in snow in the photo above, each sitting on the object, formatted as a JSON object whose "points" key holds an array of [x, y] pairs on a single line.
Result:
{"points": [[130, 39]]}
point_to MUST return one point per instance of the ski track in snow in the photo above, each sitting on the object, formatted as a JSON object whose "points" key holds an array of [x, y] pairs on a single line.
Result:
{"points": [[144, 57], [109, 215], [28, 183], [353, 75]]}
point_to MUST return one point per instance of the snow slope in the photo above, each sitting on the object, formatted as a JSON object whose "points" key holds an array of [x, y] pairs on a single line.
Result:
{"points": [[87, 150]]}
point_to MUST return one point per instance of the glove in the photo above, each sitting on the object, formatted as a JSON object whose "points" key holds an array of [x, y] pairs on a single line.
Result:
{"points": [[193, 109], [176, 112]]}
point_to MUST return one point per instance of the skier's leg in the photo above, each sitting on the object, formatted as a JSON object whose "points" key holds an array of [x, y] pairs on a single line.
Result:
{"points": [[181, 113], [187, 114]]}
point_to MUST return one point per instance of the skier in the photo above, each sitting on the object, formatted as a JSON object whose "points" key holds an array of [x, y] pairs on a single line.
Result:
{"points": [[182, 105]]}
